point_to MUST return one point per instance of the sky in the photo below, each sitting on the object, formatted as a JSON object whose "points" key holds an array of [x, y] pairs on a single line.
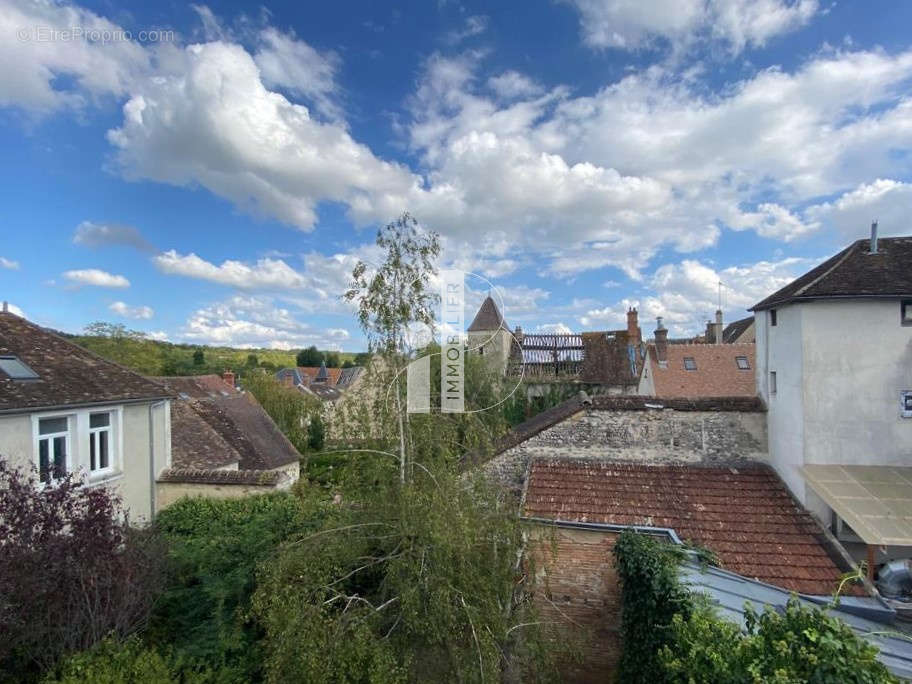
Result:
{"points": [[212, 173]]}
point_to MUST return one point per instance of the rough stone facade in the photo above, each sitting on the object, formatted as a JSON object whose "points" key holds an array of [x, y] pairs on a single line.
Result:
{"points": [[650, 435]]}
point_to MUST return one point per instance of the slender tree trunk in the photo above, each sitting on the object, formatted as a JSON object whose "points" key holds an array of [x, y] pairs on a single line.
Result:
{"points": [[401, 435]]}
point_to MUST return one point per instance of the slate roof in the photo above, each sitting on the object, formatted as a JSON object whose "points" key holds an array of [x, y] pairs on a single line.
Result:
{"points": [[215, 427], [349, 376], [734, 330], [746, 515], [716, 375], [68, 375], [854, 272], [488, 317], [309, 374]]}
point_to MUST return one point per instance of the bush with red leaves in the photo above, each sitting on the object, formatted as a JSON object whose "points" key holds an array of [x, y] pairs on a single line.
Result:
{"points": [[72, 571]]}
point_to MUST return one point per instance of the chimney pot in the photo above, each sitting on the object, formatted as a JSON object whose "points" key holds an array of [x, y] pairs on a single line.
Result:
{"points": [[228, 377], [5, 306], [874, 237], [661, 341]]}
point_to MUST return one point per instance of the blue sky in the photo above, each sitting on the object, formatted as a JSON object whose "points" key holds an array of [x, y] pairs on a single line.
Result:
{"points": [[212, 173]]}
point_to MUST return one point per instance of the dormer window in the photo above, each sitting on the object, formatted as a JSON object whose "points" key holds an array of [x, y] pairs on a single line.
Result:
{"points": [[16, 369], [743, 363], [690, 363], [905, 312]]}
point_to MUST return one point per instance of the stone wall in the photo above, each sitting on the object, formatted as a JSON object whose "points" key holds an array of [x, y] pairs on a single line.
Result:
{"points": [[647, 435], [169, 492]]}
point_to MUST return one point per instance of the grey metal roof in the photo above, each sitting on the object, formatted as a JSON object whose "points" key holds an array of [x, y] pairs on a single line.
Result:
{"points": [[729, 592]]}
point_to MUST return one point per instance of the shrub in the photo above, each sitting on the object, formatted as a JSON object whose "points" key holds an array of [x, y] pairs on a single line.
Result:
{"points": [[214, 547], [71, 571], [112, 662]]}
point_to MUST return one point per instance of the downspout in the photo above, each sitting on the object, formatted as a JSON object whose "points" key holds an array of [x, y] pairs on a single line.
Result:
{"points": [[152, 459]]}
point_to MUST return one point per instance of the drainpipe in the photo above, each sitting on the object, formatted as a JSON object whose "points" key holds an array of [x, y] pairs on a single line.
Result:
{"points": [[152, 407]]}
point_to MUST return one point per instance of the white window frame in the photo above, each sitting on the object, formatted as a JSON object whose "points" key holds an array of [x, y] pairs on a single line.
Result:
{"points": [[37, 437], [78, 436], [110, 430]]}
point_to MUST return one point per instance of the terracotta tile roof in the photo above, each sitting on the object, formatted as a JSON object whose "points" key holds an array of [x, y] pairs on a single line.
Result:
{"points": [[226, 477], [488, 317], [735, 329], [309, 374], [716, 375], [214, 429], [854, 272], [68, 375], [746, 516]]}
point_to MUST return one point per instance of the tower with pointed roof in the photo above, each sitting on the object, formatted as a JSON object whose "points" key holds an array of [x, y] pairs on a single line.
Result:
{"points": [[489, 335]]}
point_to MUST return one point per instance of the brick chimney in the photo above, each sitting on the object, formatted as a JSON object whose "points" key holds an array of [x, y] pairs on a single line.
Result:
{"points": [[718, 326], [228, 377], [633, 327], [661, 341]]}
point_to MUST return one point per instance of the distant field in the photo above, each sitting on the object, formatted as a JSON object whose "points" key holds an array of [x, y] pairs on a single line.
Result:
{"points": [[163, 358]]}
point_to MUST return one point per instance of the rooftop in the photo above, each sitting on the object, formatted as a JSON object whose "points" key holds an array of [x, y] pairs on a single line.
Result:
{"points": [[735, 329], [745, 515], [488, 317], [68, 375], [716, 370], [854, 272], [213, 426]]}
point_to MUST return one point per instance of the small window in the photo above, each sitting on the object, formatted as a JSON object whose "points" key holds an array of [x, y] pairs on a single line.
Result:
{"points": [[906, 403], [905, 312], [773, 388], [773, 320], [53, 448], [743, 363], [15, 369], [690, 363], [100, 442]]}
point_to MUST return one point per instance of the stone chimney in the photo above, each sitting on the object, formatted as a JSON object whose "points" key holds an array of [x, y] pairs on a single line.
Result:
{"points": [[518, 334], [633, 327], [718, 326], [661, 341], [5, 306], [228, 377]]}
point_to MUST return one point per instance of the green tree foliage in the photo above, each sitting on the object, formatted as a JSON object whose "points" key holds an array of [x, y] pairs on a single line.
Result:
{"points": [[406, 583], [669, 635], [333, 360], [310, 357], [316, 433], [215, 547], [291, 410], [252, 361], [199, 357], [114, 662]]}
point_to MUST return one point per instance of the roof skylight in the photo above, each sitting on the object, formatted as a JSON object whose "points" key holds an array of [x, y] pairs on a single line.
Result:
{"points": [[16, 369]]}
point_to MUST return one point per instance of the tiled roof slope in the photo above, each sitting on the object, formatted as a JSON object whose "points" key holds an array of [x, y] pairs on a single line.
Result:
{"points": [[213, 429], [717, 373], [745, 516], [309, 374], [68, 374], [221, 477], [735, 329], [854, 272], [488, 317]]}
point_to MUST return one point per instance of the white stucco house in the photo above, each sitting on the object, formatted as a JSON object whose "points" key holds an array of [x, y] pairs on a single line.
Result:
{"points": [[834, 366], [64, 410]]}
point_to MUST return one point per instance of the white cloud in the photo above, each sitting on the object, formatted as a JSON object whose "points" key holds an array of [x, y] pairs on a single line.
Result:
{"points": [[127, 311], [264, 274], [512, 84], [91, 234], [474, 25], [95, 68], [158, 335], [95, 277], [886, 201], [632, 24], [216, 124], [554, 329], [292, 64], [257, 321], [9, 264]]}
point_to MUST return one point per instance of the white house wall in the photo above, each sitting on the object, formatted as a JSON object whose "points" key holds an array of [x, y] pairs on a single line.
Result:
{"points": [[780, 349]]}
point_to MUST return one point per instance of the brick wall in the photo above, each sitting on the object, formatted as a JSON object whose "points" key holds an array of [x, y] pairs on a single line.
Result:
{"points": [[577, 590], [664, 435]]}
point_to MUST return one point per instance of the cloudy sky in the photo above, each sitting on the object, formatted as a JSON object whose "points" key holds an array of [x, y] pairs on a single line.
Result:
{"points": [[212, 173]]}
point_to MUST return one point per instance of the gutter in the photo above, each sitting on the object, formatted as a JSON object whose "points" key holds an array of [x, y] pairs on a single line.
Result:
{"points": [[88, 404], [813, 298], [605, 527]]}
